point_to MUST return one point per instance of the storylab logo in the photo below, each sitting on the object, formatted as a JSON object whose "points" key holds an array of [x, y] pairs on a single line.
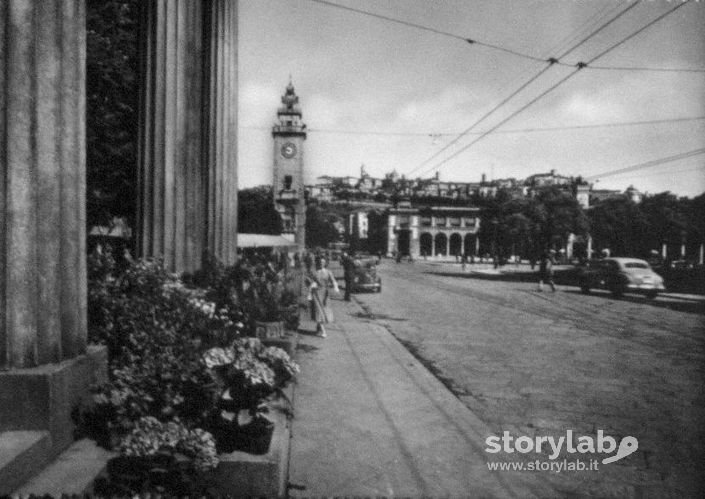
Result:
{"points": [[554, 447]]}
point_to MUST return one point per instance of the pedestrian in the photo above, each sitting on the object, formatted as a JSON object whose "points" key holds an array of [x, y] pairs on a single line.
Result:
{"points": [[464, 261], [348, 274], [546, 269], [319, 284]]}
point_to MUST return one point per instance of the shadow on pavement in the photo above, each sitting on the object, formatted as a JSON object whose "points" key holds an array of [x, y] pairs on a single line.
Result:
{"points": [[301, 347], [679, 305], [376, 316], [567, 278]]}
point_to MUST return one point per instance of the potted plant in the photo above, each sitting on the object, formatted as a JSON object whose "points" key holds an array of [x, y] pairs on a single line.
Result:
{"points": [[162, 458], [268, 311], [246, 381]]}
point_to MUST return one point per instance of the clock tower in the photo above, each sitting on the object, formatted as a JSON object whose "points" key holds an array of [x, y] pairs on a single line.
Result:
{"points": [[289, 133]]}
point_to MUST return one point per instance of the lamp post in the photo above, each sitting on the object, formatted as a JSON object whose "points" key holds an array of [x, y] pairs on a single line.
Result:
{"points": [[495, 258]]}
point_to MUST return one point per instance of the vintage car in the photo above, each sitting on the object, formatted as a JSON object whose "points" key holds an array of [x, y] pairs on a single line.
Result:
{"points": [[619, 276], [365, 276]]}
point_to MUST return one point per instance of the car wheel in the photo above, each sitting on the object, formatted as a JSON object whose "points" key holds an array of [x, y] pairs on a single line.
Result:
{"points": [[652, 294], [585, 288], [617, 291]]}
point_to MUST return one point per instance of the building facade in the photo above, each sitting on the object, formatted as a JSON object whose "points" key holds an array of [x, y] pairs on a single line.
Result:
{"points": [[434, 231]]}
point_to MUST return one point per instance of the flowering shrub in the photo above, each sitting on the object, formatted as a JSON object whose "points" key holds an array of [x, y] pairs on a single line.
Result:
{"points": [[177, 355], [150, 436], [248, 371], [285, 369]]}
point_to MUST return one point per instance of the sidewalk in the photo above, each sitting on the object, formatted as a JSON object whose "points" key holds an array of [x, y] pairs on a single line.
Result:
{"points": [[371, 421]]}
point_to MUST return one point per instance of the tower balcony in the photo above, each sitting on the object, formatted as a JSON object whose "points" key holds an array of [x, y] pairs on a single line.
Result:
{"points": [[287, 196]]}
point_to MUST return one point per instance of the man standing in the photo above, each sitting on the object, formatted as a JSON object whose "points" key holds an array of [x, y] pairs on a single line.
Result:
{"points": [[348, 273], [546, 269]]}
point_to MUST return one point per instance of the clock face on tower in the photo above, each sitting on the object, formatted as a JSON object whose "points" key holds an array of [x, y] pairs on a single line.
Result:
{"points": [[288, 150]]}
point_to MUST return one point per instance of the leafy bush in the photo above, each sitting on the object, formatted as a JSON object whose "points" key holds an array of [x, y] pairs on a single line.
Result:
{"points": [[248, 372], [150, 436], [179, 361]]}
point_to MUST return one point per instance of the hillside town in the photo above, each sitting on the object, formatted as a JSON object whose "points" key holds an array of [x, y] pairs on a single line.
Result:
{"points": [[447, 213]]}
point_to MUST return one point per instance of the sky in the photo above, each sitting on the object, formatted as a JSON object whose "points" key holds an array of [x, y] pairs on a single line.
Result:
{"points": [[400, 88]]}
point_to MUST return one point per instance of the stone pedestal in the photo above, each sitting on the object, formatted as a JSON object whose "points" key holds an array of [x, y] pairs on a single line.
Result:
{"points": [[188, 132]]}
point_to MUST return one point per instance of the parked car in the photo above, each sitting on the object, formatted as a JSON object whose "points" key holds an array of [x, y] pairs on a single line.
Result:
{"points": [[619, 276], [365, 277]]}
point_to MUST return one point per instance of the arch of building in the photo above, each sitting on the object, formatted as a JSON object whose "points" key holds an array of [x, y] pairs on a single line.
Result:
{"points": [[441, 244], [426, 244], [456, 244]]}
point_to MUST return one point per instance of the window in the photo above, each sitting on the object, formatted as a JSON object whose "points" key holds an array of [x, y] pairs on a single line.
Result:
{"points": [[636, 265], [455, 221], [440, 221], [426, 221]]}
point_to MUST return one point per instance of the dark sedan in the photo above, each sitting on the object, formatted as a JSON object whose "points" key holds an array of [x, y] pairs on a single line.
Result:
{"points": [[619, 276], [365, 276]]}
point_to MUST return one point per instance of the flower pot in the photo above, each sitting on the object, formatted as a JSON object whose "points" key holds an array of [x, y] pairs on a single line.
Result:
{"points": [[273, 329], [255, 437]]}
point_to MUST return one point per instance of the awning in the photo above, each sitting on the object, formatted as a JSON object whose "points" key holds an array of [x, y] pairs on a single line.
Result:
{"points": [[263, 241]]}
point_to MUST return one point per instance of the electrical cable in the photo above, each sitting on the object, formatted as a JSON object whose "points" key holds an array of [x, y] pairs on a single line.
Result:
{"points": [[628, 68], [579, 66], [669, 172], [508, 131], [491, 45], [432, 30], [648, 164], [517, 91]]}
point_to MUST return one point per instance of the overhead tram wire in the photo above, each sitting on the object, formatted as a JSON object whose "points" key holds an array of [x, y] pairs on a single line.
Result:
{"points": [[665, 70], [579, 67], [551, 61], [429, 29], [491, 45], [665, 172], [648, 164], [593, 21], [508, 131]]}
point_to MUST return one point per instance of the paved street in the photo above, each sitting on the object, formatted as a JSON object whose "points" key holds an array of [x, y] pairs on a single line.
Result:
{"points": [[540, 364]]}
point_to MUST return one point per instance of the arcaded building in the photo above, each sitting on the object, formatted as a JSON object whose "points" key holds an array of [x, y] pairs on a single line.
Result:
{"points": [[433, 231]]}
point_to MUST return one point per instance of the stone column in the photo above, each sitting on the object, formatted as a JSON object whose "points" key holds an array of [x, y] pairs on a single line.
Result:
{"points": [[221, 130], [188, 132], [171, 210], [42, 188], [45, 366]]}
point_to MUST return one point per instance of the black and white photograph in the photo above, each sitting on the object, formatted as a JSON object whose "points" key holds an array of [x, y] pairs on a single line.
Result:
{"points": [[377, 249]]}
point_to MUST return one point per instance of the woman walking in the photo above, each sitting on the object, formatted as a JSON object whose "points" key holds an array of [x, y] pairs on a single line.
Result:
{"points": [[319, 284]]}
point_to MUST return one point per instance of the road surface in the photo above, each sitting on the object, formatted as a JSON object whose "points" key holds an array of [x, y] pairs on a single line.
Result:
{"points": [[539, 364]]}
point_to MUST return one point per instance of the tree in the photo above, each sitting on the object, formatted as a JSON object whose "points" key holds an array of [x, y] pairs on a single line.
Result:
{"points": [[620, 225], [563, 216], [321, 227], [256, 213], [111, 109], [667, 218]]}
